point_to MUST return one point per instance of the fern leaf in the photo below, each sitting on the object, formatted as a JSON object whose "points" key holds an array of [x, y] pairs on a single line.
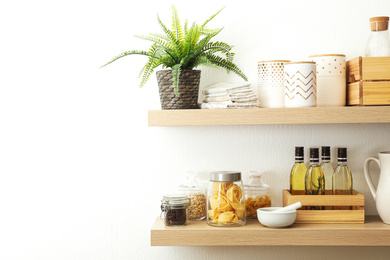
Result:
{"points": [[195, 51], [190, 39], [185, 28], [168, 48], [166, 62], [176, 43], [176, 27], [199, 45], [123, 54], [222, 47], [161, 36], [208, 20], [148, 69], [157, 40], [160, 59], [212, 32], [230, 66], [175, 78], [202, 60]]}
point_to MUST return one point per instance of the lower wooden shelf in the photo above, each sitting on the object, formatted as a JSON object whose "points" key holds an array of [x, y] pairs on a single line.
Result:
{"points": [[197, 233]]}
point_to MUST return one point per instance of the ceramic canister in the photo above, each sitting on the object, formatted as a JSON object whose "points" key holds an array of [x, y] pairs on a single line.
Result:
{"points": [[270, 79], [331, 79], [300, 84]]}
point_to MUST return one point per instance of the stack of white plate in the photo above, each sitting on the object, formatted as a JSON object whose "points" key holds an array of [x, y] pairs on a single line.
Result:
{"points": [[229, 95]]}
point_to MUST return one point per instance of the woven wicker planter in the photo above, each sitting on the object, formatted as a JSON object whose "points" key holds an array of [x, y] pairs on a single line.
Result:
{"points": [[188, 89]]}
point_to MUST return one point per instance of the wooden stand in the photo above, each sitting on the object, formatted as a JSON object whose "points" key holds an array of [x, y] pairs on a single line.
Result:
{"points": [[356, 201]]}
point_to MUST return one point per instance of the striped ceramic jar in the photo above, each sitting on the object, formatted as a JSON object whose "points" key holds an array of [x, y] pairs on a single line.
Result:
{"points": [[300, 84]]}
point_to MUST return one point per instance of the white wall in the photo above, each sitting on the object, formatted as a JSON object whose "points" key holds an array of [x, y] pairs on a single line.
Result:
{"points": [[81, 173]]}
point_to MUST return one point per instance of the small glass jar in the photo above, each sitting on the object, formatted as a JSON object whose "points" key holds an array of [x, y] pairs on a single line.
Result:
{"points": [[196, 194], [225, 199], [378, 43], [174, 209], [257, 194]]}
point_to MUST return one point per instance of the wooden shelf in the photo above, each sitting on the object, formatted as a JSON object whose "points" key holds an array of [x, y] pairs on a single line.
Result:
{"points": [[197, 233], [270, 116]]}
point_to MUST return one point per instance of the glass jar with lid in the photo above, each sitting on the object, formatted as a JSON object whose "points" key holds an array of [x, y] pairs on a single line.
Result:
{"points": [[196, 194], [257, 194], [225, 199], [378, 43], [174, 209]]}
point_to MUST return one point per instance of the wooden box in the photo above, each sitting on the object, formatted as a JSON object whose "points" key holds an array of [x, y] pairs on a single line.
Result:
{"points": [[356, 201], [368, 81]]}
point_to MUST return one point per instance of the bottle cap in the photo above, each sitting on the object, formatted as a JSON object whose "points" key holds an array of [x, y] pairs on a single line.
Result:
{"points": [[325, 152], [299, 153], [379, 23], [342, 154], [314, 155]]}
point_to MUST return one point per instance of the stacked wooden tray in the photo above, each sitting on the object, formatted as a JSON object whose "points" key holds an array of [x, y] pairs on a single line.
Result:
{"points": [[368, 81], [355, 201]]}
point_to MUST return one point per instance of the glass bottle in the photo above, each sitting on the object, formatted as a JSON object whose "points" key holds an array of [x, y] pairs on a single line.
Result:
{"points": [[342, 177], [314, 181], [257, 194], [226, 199], [196, 197], [298, 172], [328, 170], [378, 43]]}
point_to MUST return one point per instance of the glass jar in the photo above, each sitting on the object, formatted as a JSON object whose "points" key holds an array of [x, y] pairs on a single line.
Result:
{"points": [[378, 43], [257, 194], [196, 197], [225, 199], [174, 209]]}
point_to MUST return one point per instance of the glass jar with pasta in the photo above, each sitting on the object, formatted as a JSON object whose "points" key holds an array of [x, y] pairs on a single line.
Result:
{"points": [[257, 194], [226, 199]]}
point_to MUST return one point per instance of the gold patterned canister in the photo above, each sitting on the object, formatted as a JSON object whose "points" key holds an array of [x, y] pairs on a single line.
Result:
{"points": [[300, 84], [270, 79], [331, 79]]}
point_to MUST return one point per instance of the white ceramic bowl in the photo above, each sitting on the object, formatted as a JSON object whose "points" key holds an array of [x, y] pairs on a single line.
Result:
{"points": [[275, 219]]}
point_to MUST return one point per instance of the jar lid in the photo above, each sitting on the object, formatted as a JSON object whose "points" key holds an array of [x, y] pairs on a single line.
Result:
{"points": [[191, 185], [225, 176], [175, 199], [265, 61], [379, 19], [256, 183], [326, 55], [182, 188], [379, 23], [300, 62]]}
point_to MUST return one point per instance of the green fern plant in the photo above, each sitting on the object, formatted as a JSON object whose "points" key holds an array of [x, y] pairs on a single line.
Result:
{"points": [[184, 49]]}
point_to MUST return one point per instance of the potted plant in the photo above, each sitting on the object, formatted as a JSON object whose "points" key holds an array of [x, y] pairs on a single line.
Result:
{"points": [[182, 50]]}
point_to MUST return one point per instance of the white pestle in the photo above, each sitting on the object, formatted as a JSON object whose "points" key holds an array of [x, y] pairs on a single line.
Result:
{"points": [[289, 207]]}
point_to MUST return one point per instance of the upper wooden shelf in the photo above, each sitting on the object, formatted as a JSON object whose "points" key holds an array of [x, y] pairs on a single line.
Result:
{"points": [[270, 116], [197, 233]]}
